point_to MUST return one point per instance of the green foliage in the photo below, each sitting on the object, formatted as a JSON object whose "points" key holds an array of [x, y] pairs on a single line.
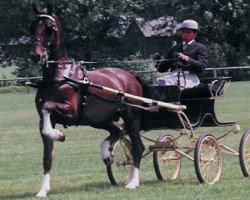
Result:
{"points": [[27, 68], [7, 71], [224, 27]]}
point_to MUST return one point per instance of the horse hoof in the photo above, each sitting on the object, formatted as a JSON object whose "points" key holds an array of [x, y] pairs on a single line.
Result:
{"points": [[42, 193], [61, 138], [109, 161], [132, 185]]}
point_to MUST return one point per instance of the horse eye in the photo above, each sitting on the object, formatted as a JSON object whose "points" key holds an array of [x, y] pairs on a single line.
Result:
{"points": [[51, 24], [50, 28]]}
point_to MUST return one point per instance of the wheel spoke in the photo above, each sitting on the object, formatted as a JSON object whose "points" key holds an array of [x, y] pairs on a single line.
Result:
{"points": [[208, 159]]}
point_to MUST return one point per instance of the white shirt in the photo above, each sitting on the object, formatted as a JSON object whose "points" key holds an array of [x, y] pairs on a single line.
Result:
{"points": [[189, 43]]}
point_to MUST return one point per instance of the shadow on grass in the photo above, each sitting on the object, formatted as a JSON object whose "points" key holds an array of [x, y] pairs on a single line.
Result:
{"points": [[93, 187], [90, 187], [178, 182], [26, 195]]}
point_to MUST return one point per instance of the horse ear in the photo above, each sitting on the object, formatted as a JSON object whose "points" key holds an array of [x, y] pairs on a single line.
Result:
{"points": [[36, 9], [49, 9]]}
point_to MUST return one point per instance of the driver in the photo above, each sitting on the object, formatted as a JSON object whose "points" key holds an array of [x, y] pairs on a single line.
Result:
{"points": [[190, 59]]}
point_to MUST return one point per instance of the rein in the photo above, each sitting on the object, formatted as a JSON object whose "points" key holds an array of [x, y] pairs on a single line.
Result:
{"points": [[37, 39], [51, 17], [172, 107], [93, 62]]}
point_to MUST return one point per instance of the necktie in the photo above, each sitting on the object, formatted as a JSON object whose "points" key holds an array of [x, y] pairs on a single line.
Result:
{"points": [[185, 46]]}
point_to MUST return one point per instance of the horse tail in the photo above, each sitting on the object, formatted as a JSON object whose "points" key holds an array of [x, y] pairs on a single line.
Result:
{"points": [[144, 84]]}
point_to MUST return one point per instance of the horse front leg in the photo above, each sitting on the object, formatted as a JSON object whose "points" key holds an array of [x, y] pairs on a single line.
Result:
{"points": [[47, 164], [48, 130], [65, 110]]}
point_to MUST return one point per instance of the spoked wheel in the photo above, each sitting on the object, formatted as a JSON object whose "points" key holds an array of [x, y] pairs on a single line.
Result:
{"points": [[167, 161], [208, 159], [245, 153], [119, 170]]}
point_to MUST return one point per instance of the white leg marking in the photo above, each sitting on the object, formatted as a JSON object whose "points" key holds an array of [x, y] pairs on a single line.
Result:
{"points": [[45, 186], [105, 146], [133, 180], [47, 127]]}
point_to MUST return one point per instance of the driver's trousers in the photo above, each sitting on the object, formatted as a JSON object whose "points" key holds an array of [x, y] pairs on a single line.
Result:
{"points": [[184, 79]]}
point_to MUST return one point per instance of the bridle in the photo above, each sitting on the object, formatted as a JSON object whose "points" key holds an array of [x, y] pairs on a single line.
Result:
{"points": [[47, 16], [46, 45], [54, 28]]}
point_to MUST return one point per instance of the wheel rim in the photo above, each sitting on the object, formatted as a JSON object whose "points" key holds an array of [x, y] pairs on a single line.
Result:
{"points": [[210, 160], [168, 160], [121, 166], [245, 154]]}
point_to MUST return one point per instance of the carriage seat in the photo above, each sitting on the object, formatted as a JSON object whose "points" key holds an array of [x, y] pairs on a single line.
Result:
{"points": [[170, 94], [200, 102], [209, 88]]}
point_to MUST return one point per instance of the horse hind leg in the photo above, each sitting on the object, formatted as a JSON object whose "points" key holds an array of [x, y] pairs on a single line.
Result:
{"points": [[132, 124], [115, 130]]}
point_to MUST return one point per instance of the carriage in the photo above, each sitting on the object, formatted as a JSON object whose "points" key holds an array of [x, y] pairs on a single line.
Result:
{"points": [[167, 153]]}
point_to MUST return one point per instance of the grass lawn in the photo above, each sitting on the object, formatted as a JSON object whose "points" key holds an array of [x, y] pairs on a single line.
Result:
{"points": [[78, 171]]}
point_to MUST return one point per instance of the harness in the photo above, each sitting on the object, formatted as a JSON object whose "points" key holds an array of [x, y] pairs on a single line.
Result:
{"points": [[179, 73], [48, 43]]}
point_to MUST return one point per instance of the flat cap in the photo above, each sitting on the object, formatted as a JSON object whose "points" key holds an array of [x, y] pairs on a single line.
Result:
{"points": [[189, 24]]}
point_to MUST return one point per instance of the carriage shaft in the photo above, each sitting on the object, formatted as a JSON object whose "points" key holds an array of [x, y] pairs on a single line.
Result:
{"points": [[131, 96]]}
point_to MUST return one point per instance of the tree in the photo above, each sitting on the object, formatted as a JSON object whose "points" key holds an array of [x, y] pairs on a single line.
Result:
{"points": [[86, 24]]}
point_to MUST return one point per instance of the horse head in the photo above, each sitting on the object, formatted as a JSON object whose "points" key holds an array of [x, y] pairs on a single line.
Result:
{"points": [[47, 35]]}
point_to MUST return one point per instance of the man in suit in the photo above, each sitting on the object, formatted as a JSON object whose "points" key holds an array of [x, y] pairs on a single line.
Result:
{"points": [[184, 60]]}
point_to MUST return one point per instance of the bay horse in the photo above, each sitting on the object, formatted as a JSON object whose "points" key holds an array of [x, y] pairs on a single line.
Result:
{"points": [[59, 102]]}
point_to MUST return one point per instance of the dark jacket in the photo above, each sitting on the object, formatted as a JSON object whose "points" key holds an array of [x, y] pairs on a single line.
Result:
{"points": [[197, 62]]}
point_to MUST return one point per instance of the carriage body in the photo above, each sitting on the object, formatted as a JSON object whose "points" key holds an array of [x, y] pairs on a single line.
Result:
{"points": [[200, 103], [167, 149]]}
